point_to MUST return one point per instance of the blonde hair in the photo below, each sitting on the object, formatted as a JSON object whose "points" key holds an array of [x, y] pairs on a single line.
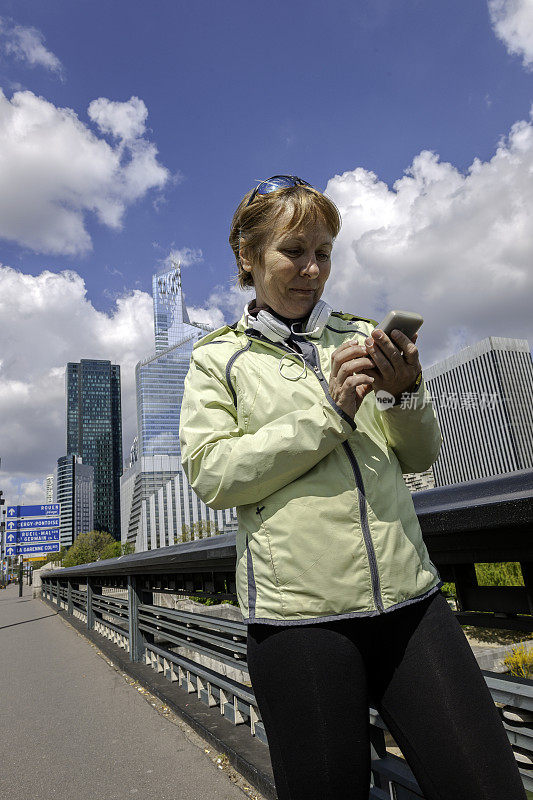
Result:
{"points": [[251, 224]]}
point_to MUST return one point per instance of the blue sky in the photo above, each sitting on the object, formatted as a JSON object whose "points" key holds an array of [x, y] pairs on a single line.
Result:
{"points": [[237, 91], [130, 130]]}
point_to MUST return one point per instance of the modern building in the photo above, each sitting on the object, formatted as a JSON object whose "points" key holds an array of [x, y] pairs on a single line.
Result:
{"points": [[483, 398], [174, 513], [94, 431], [160, 377], [155, 455], [75, 492], [49, 490]]}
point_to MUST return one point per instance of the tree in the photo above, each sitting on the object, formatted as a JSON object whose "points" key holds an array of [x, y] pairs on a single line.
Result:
{"points": [[89, 547], [53, 557], [116, 549], [204, 529]]}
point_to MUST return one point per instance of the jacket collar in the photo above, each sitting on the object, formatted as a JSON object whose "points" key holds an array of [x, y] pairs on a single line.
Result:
{"points": [[250, 310]]}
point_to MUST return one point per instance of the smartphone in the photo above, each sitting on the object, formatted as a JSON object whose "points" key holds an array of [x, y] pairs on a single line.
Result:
{"points": [[405, 321]]}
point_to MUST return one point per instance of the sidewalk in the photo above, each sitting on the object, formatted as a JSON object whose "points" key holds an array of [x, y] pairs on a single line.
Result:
{"points": [[74, 729]]}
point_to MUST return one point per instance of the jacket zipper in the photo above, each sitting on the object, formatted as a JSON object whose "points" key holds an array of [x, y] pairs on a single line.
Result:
{"points": [[371, 553], [376, 589]]}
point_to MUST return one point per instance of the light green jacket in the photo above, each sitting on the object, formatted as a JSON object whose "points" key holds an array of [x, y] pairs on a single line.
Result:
{"points": [[327, 526]]}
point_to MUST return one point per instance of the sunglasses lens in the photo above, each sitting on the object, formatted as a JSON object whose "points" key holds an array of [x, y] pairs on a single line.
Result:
{"points": [[275, 183]]}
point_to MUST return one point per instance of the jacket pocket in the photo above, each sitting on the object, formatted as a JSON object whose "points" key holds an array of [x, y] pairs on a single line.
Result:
{"points": [[297, 536]]}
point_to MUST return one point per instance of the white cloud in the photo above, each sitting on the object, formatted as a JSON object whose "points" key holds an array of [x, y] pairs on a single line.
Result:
{"points": [[122, 120], [47, 320], [224, 305], [185, 255], [23, 492], [54, 171], [230, 300], [27, 44], [512, 21], [209, 316], [457, 248]]}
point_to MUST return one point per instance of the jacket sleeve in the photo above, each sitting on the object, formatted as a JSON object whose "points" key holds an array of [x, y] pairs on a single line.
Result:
{"points": [[227, 467], [413, 431]]}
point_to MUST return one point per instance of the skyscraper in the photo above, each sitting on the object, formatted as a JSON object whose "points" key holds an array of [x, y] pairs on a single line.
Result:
{"points": [[94, 431], [75, 493], [483, 400], [159, 378], [159, 386]]}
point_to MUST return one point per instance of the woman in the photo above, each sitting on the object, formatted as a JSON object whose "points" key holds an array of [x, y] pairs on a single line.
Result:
{"points": [[342, 602]]}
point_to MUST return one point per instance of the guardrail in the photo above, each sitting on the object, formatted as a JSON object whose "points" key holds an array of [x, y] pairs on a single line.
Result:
{"points": [[115, 598]]}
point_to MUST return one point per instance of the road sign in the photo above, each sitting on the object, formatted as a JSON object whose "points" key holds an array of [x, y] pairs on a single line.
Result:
{"points": [[35, 549], [32, 530], [48, 509], [40, 533], [48, 535], [36, 522]]}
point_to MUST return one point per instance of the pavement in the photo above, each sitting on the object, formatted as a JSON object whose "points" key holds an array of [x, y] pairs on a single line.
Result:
{"points": [[73, 728]]}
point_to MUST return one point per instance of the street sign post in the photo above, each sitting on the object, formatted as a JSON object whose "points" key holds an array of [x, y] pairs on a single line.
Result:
{"points": [[33, 530]]}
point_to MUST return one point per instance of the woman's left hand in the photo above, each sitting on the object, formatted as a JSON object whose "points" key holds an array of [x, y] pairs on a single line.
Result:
{"points": [[395, 373]]}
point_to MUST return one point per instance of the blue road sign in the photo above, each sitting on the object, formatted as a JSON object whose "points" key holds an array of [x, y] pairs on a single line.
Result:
{"points": [[50, 535], [33, 549], [48, 509], [32, 524], [36, 522]]}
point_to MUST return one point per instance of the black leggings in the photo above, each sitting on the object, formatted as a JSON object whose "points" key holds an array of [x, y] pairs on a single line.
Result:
{"points": [[314, 683]]}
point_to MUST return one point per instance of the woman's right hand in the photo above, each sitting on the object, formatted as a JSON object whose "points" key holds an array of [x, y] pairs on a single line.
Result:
{"points": [[352, 376]]}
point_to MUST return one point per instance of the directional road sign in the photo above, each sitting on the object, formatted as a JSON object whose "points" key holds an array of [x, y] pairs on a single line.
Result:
{"points": [[34, 549], [36, 522], [48, 509], [32, 530], [49, 535]]}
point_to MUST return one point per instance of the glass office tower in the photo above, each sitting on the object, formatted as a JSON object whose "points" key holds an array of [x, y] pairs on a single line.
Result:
{"points": [[159, 386], [94, 431], [160, 378]]}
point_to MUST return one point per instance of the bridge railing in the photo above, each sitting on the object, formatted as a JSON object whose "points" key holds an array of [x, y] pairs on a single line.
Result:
{"points": [[134, 601]]}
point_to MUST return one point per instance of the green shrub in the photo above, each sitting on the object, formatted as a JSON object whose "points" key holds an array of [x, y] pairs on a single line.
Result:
{"points": [[503, 573], [520, 661]]}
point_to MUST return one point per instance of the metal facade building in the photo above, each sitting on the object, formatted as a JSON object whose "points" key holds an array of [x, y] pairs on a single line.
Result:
{"points": [[483, 397], [174, 513], [94, 431], [155, 456], [75, 491]]}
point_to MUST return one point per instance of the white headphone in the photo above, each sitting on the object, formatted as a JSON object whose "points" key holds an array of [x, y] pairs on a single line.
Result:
{"points": [[276, 331]]}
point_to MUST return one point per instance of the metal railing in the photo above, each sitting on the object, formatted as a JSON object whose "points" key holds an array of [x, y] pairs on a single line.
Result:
{"points": [[117, 599]]}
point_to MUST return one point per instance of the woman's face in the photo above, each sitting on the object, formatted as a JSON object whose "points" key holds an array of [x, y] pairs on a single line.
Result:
{"points": [[295, 268]]}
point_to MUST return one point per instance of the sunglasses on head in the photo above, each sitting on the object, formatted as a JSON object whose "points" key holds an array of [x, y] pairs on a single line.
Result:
{"points": [[277, 182]]}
